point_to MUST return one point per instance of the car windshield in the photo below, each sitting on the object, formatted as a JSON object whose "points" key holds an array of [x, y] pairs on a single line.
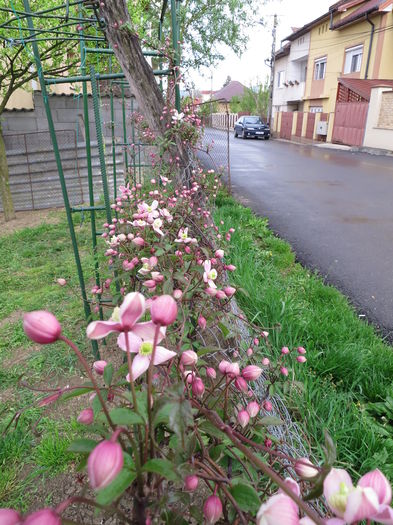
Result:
{"points": [[252, 120]]}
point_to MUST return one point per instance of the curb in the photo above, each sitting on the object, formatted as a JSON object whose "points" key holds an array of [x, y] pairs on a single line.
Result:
{"points": [[341, 147]]}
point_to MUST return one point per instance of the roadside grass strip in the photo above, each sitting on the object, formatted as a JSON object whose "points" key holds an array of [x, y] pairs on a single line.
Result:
{"points": [[349, 371], [36, 450]]}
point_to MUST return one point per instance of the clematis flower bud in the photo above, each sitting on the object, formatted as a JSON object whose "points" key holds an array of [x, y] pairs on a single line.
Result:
{"points": [[202, 322], [99, 366], [211, 291], [285, 350], [233, 370], [86, 417], [301, 359], [251, 372], [229, 291], [191, 483], [61, 281], [252, 408], [41, 327], [243, 417], [198, 387], [241, 384], [221, 294], [163, 310], [188, 358], [138, 241], [189, 376], [43, 517], [177, 294], [210, 372], [305, 469], [223, 365], [104, 463], [301, 350], [212, 510], [267, 406], [230, 267], [284, 371], [249, 352], [265, 361], [10, 517], [219, 254]]}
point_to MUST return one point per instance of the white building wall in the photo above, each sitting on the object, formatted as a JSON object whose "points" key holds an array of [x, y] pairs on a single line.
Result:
{"points": [[375, 135], [279, 95]]}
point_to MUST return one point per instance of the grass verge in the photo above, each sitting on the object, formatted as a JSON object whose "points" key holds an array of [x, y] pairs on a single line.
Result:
{"points": [[349, 373], [32, 260]]}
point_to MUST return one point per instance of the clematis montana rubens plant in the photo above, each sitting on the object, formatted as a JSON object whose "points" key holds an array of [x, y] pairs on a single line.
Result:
{"points": [[160, 425]]}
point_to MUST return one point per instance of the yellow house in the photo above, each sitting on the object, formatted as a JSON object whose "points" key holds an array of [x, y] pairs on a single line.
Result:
{"points": [[353, 40]]}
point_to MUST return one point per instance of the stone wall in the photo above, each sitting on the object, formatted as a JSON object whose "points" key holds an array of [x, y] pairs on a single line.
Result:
{"points": [[386, 112]]}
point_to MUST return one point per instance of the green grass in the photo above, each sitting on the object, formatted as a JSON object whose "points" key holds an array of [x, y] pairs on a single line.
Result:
{"points": [[349, 367], [32, 260]]}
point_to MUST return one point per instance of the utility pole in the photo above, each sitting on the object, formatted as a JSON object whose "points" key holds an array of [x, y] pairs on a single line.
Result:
{"points": [[272, 61]]}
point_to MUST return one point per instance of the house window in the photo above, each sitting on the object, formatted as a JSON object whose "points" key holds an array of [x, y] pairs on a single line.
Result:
{"points": [[280, 79], [353, 59], [300, 41], [303, 71], [315, 109], [320, 69]]}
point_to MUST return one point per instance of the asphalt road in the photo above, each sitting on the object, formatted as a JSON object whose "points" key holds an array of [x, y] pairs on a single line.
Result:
{"points": [[334, 207]]}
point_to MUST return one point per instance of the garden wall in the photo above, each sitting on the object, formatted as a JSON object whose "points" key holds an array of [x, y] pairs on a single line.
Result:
{"points": [[34, 179]]}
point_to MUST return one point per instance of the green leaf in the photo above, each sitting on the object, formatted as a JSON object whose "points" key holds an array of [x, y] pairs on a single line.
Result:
{"points": [[224, 329], [207, 350], [125, 416], [77, 392], [82, 445], [115, 489], [270, 421], [163, 467], [246, 496], [211, 430], [108, 373]]}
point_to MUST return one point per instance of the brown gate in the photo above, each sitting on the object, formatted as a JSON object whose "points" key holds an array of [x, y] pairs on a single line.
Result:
{"points": [[310, 126], [299, 124], [349, 123], [286, 125]]}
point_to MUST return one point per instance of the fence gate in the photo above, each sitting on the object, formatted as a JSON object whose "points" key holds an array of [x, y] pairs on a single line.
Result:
{"points": [[299, 124], [349, 123], [310, 126], [286, 125]]}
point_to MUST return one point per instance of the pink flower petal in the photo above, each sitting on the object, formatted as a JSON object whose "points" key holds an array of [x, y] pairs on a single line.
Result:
{"points": [[362, 503], [381, 486], [279, 509], [132, 309], [133, 340], [147, 330], [291, 483], [100, 329], [140, 364], [385, 515], [335, 481], [162, 355]]}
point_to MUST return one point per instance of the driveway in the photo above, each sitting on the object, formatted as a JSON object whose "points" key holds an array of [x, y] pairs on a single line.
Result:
{"points": [[334, 207]]}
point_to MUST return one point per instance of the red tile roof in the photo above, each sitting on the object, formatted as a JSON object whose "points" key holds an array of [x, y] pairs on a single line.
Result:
{"points": [[233, 89], [369, 7], [363, 87]]}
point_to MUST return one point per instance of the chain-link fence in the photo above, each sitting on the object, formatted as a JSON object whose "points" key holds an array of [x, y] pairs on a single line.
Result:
{"points": [[214, 151]]}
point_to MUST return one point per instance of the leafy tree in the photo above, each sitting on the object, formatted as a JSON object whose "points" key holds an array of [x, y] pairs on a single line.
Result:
{"points": [[17, 67], [255, 100]]}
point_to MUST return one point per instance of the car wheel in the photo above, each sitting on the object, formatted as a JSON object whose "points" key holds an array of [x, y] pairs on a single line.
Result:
{"points": [[236, 135], [244, 136], [267, 138]]}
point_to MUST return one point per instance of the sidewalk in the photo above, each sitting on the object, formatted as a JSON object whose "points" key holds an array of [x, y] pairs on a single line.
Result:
{"points": [[343, 147]]}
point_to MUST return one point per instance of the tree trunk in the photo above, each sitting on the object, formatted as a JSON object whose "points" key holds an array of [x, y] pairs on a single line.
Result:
{"points": [[138, 72], [5, 192]]}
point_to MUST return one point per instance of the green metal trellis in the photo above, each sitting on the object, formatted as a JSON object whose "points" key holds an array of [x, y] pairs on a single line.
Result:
{"points": [[31, 36]]}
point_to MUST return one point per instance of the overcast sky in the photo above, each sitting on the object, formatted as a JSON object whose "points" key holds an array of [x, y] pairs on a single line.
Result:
{"points": [[250, 67]]}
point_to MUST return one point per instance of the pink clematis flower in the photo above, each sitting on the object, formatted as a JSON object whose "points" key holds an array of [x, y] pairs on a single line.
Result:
{"points": [[210, 274], [182, 236], [157, 225], [140, 341], [369, 500], [123, 319], [147, 265], [149, 209]]}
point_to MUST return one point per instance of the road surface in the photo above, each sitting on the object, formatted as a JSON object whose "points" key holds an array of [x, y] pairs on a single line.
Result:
{"points": [[334, 207]]}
